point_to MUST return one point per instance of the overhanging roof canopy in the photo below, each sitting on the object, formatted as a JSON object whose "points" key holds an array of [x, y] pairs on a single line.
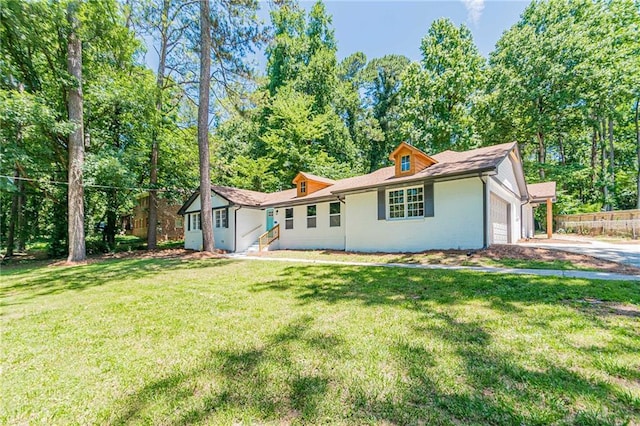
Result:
{"points": [[541, 192]]}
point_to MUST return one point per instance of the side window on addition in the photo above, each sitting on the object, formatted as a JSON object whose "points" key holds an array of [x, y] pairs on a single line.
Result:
{"points": [[311, 216], [288, 218], [334, 214]]}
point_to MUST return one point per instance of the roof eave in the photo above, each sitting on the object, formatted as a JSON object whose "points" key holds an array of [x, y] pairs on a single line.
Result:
{"points": [[299, 201], [461, 175]]}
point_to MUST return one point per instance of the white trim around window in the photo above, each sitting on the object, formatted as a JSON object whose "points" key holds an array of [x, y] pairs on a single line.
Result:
{"points": [[405, 203], [405, 163], [220, 218], [195, 221]]}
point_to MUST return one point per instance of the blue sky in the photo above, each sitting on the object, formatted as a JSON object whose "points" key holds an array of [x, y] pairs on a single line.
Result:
{"points": [[378, 28]]}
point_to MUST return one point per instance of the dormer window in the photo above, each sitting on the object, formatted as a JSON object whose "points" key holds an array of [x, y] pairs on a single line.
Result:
{"points": [[307, 184], [405, 163], [409, 160]]}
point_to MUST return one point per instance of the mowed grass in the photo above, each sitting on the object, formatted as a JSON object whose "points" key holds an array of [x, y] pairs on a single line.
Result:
{"points": [[169, 341]]}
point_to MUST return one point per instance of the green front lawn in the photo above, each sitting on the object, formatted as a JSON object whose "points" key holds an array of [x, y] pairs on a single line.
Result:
{"points": [[171, 341]]}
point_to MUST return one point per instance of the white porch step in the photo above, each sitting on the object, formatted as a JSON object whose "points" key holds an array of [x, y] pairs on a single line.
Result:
{"points": [[253, 248]]}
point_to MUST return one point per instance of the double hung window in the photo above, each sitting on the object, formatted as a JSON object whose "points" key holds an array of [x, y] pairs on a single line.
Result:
{"points": [[405, 203], [311, 216], [288, 218], [334, 214], [195, 221], [221, 218]]}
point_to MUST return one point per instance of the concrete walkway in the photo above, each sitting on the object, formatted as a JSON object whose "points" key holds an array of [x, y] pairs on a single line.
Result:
{"points": [[591, 275], [629, 254]]}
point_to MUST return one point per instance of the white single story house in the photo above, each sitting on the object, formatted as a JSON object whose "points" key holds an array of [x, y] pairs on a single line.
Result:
{"points": [[450, 200]]}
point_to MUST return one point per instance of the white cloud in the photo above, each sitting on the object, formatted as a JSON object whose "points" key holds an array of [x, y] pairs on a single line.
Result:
{"points": [[474, 10]]}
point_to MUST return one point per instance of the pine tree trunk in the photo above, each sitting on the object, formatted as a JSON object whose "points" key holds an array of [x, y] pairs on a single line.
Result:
{"points": [[21, 230], [152, 229], [637, 121], [594, 155], [112, 219], [612, 169], [541, 153], [75, 198], [13, 219], [603, 166], [203, 128]]}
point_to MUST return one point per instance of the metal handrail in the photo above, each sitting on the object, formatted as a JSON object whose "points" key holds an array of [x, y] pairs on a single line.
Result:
{"points": [[247, 233]]}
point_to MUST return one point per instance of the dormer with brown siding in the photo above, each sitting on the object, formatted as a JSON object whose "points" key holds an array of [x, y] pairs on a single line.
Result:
{"points": [[409, 160], [307, 183]]}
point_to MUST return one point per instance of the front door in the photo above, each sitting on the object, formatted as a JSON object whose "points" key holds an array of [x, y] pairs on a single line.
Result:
{"points": [[269, 219]]}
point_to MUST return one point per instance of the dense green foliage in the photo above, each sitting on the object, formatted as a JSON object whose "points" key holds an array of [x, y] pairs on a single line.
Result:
{"points": [[563, 82], [119, 121]]}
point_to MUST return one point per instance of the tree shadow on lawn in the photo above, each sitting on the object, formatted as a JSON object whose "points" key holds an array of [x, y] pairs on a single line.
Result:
{"points": [[270, 382], [48, 280], [266, 381], [399, 286], [498, 389]]}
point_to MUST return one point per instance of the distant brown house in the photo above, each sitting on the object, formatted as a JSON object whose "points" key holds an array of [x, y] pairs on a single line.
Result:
{"points": [[170, 224]]}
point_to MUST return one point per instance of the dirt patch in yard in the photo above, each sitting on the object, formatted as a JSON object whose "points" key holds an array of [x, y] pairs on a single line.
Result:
{"points": [[554, 240], [157, 254], [583, 261], [508, 256], [601, 307], [136, 254]]}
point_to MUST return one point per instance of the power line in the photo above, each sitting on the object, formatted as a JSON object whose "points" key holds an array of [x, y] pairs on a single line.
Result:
{"points": [[90, 185]]}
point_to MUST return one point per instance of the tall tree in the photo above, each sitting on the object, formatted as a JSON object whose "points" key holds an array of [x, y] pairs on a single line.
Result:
{"points": [[637, 126], [164, 20], [77, 251], [203, 127], [382, 83], [438, 94]]}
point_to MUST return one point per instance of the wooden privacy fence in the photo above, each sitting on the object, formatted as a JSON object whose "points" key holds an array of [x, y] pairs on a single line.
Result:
{"points": [[621, 222]]}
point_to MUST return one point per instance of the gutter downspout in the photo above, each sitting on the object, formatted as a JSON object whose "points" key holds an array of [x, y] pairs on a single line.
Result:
{"points": [[522, 220], [235, 228], [484, 210]]}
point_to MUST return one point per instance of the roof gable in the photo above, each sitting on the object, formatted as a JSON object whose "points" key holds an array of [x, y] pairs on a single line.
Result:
{"points": [[409, 160], [539, 192], [448, 165], [306, 183]]}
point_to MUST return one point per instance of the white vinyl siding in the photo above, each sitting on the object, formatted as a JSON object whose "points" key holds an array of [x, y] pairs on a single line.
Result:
{"points": [[458, 223]]}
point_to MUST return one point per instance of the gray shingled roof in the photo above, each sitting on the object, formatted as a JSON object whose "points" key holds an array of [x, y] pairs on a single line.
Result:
{"points": [[450, 163]]}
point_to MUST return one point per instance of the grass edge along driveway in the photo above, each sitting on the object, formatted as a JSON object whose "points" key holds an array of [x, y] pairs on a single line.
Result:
{"points": [[219, 341]]}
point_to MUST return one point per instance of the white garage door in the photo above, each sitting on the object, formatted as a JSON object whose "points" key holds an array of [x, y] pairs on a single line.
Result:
{"points": [[499, 220]]}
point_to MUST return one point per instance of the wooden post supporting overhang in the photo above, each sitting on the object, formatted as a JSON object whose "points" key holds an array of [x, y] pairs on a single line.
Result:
{"points": [[549, 218]]}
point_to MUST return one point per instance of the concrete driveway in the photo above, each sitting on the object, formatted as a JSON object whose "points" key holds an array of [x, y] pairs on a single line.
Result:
{"points": [[628, 254]]}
